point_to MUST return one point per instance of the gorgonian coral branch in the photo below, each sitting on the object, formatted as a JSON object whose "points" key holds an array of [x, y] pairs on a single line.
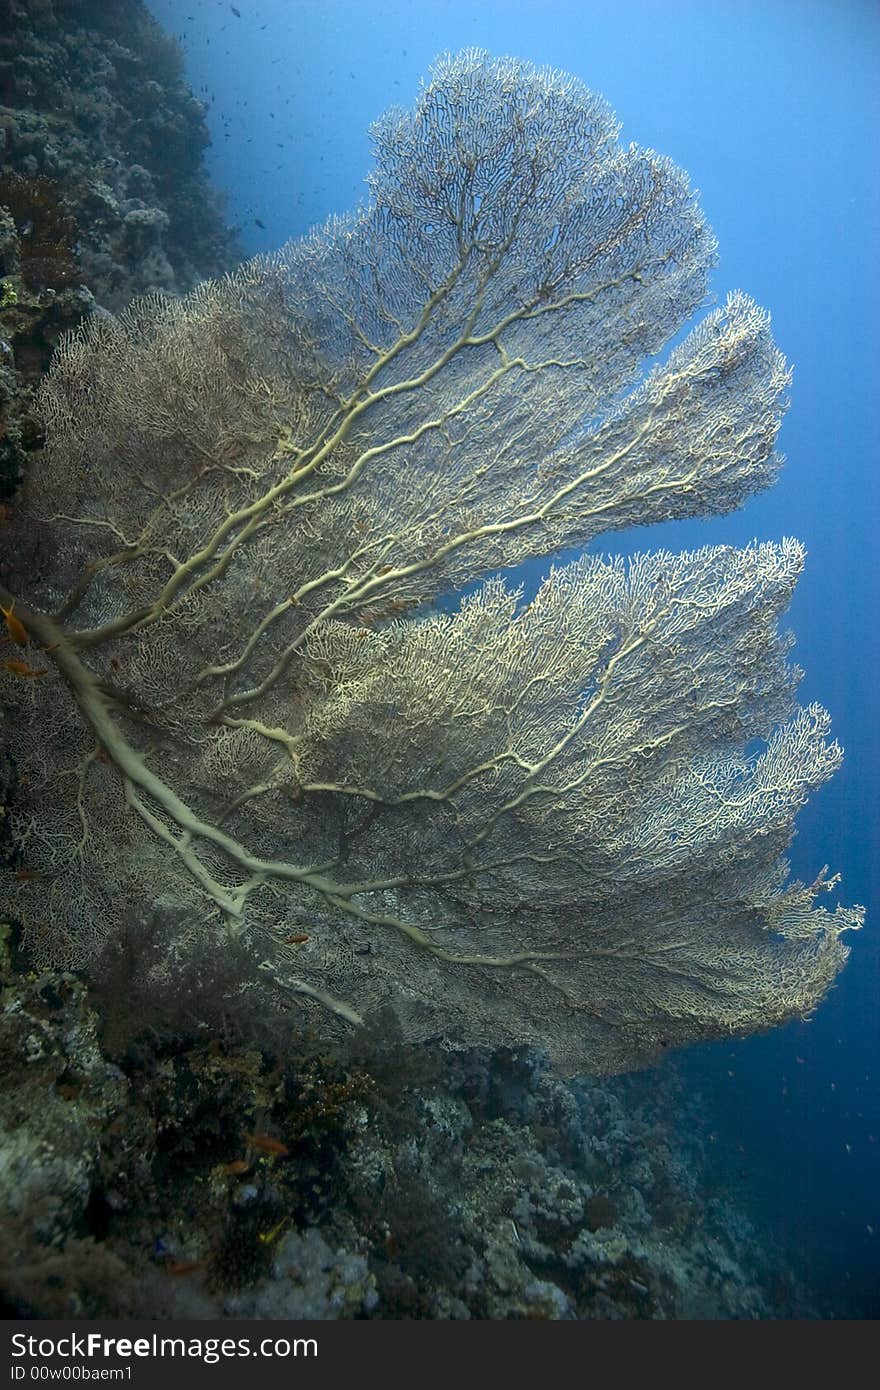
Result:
{"points": [[558, 823]]}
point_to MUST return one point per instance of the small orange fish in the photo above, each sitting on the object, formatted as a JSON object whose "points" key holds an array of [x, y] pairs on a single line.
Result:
{"points": [[297, 939], [185, 1266], [236, 1167], [14, 626], [267, 1145], [21, 668], [24, 874]]}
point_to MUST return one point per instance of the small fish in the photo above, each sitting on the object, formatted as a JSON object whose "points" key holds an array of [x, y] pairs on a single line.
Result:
{"points": [[185, 1266], [14, 626], [267, 1237], [297, 939], [21, 668], [267, 1145], [24, 875], [237, 1167], [236, 12], [259, 223]]}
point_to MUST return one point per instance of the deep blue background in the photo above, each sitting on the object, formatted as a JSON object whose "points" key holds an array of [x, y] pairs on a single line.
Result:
{"points": [[773, 107]]}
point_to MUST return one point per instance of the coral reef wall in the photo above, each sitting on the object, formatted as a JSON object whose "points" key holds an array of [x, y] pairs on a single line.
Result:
{"points": [[103, 194], [194, 1179]]}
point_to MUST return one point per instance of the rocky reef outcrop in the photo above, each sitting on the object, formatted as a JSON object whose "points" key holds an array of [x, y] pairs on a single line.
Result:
{"points": [[171, 1170]]}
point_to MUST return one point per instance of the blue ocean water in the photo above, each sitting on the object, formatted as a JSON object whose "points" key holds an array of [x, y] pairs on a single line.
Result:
{"points": [[773, 108]]}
